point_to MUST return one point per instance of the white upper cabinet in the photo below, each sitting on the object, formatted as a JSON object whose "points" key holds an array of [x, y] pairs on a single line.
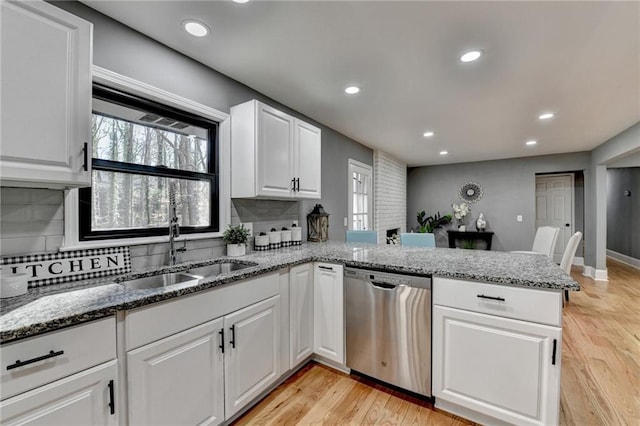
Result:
{"points": [[307, 160], [46, 96], [273, 155]]}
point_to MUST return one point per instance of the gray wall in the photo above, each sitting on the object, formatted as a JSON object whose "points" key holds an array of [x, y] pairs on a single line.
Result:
{"points": [[623, 144], [509, 190], [125, 51], [623, 212]]}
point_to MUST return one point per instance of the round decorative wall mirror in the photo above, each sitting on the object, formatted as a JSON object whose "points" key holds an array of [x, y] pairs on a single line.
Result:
{"points": [[470, 192]]}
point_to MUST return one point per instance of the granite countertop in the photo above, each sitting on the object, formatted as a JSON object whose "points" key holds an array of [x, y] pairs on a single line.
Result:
{"points": [[52, 307]]}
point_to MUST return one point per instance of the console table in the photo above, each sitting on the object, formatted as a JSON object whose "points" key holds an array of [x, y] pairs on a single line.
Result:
{"points": [[485, 236]]}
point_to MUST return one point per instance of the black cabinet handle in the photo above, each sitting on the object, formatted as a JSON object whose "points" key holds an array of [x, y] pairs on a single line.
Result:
{"points": [[567, 224], [85, 165], [19, 363], [553, 355], [298, 184], [221, 333], [233, 336], [293, 184], [327, 268], [112, 399], [482, 296]]}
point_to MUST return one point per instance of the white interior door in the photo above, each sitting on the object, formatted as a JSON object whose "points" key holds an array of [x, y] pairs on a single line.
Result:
{"points": [[360, 196], [555, 207]]}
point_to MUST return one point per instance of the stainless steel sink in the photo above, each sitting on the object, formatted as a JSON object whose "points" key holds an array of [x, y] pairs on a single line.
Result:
{"points": [[162, 280], [219, 268], [192, 275]]}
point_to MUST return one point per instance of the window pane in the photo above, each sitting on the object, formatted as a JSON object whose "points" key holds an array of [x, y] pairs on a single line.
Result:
{"points": [[149, 145], [125, 200]]}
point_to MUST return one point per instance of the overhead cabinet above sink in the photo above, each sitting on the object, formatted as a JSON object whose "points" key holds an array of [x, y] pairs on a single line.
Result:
{"points": [[46, 96], [273, 155]]}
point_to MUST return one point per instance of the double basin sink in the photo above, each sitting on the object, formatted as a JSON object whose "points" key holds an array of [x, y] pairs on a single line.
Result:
{"points": [[193, 275]]}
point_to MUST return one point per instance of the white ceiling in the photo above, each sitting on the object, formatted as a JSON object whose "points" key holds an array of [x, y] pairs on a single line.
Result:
{"points": [[578, 59]]}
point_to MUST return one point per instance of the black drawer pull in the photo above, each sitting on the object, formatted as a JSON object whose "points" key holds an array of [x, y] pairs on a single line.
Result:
{"points": [[553, 355], [233, 336], [85, 166], [112, 399], [328, 268], [482, 296], [19, 363]]}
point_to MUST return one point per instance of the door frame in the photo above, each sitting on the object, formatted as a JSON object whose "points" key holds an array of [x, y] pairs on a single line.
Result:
{"points": [[572, 177], [351, 165]]}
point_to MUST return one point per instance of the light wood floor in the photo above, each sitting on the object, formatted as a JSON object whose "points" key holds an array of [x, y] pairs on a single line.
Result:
{"points": [[600, 372]]}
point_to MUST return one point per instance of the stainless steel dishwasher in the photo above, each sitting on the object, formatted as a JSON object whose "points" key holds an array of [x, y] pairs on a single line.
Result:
{"points": [[388, 334]]}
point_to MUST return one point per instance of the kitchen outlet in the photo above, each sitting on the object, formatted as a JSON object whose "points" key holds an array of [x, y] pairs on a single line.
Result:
{"points": [[346, 223], [519, 218], [249, 227]]}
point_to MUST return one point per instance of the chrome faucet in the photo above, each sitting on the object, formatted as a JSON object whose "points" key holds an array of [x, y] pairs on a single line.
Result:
{"points": [[174, 227]]}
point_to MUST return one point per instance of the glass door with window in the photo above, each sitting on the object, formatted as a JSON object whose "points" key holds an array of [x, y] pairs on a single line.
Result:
{"points": [[360, 196]]}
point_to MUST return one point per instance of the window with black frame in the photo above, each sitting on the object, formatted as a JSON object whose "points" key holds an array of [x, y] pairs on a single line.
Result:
{"points": [[138, 148]]}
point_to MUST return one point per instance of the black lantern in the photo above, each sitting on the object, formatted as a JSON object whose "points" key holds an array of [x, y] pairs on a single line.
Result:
{"points": [[318, 224]]}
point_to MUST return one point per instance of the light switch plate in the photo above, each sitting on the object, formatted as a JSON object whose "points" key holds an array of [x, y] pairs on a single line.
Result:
{"points": [[519, 218], [346, 223]]}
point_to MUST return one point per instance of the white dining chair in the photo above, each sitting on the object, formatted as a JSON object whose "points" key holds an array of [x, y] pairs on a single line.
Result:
{"points": [[569, 254], [544, 241]]}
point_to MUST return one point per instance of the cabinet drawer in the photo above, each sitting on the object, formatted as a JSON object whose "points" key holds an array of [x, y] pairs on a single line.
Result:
{"points": [[82, 347], [157, 321], [527, 304]]}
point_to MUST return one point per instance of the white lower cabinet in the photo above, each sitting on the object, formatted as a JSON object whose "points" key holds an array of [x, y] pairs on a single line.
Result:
{"points": [[328, 312], [206, 374], [178, 380], [301, 313], [252, 354], [85, 398], [491, 368]]}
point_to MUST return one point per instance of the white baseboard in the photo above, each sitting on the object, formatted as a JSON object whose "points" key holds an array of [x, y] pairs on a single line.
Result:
{"points": [[578, 261], [596, 274], [331, 364], [628, 260]]}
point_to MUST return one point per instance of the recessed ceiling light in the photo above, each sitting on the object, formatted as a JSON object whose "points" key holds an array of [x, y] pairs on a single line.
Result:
{"points": [[546, 116], [195, 28], [530, 143], [428, 134], [241, 1], [352, 90], [471, 56], [444, 152]]}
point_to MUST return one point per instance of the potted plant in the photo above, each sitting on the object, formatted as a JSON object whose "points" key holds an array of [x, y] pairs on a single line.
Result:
{"points": [[236, 238], [429, 224]]}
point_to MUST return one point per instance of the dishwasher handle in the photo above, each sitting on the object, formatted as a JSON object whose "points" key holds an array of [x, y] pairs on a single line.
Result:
{"points": [[383, 286]]}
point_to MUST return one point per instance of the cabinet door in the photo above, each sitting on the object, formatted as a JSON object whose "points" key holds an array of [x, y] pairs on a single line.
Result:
{"points": [[178, 380], [81, 399], [46, 95], [275, 152], [301, 311], [252, 358], [328, 312], [308, 156], [502, 368]]}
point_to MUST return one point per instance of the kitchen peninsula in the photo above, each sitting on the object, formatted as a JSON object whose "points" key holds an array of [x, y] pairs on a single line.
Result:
{"points": [[497, 308]]}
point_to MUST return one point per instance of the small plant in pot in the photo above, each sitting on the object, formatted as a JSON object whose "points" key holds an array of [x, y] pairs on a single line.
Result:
{"points": [[236, 238]]}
